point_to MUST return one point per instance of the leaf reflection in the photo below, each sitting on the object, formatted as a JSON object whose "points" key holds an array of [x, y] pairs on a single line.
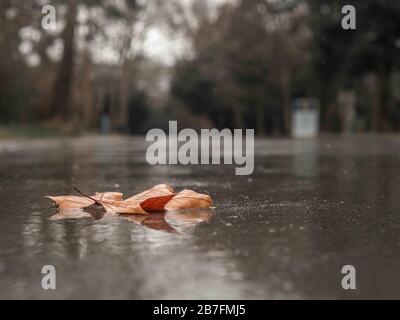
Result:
{"points": [[171, 222]]}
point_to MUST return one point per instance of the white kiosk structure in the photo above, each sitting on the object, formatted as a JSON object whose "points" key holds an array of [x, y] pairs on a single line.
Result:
{"points": [[305, 117]]}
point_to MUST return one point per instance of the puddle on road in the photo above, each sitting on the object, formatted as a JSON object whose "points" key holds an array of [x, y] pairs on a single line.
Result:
{"points": [[284, 232]]}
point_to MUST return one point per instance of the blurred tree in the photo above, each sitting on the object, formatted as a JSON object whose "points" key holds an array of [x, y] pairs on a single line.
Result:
{"points": [[122, 13], [241, 57], [243, 61], [59, 65], [344, 57], [379, 52], [61, 99], [16, 94]]}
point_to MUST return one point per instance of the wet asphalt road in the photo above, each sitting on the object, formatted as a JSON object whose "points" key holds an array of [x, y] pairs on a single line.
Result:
{"points": [[309, 208]]}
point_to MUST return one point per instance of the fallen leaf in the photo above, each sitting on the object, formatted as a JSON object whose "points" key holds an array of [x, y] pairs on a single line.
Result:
{"points": [[122, 207], [117, 196], [153, 199], [188, 199], [159, 198], [157, 191], [139, 206], [156, 203], [70, 202]]}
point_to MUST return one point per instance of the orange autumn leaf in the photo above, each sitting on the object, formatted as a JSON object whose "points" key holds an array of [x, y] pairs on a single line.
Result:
{"points": [[117, 196], [188, 199], [122, 207], [156, 203], [139, 206], [79, 202], [153, 199], [71, 202], [156, 191], [159, 198]]}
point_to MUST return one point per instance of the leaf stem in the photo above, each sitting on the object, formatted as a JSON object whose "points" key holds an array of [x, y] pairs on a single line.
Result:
{"points": [[85, 195]]}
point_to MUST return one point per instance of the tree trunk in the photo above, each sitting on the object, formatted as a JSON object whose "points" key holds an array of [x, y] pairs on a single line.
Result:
{"points": [[123, 93], [60, 104], [381, 109], [346, 101], [86, 92], [286, 99]]}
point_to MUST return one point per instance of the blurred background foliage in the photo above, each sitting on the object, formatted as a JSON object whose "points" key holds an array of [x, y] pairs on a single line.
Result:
{"points": [[225, 64]]}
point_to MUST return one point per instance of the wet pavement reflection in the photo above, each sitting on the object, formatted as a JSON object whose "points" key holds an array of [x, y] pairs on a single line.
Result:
{"points": [[309, 208]]}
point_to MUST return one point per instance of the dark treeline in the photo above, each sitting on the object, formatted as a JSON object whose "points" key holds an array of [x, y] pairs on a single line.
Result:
{"points": [[244, 63]]}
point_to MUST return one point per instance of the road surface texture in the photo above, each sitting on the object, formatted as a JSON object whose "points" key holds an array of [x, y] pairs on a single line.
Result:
{"points": [[286, 231]]}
